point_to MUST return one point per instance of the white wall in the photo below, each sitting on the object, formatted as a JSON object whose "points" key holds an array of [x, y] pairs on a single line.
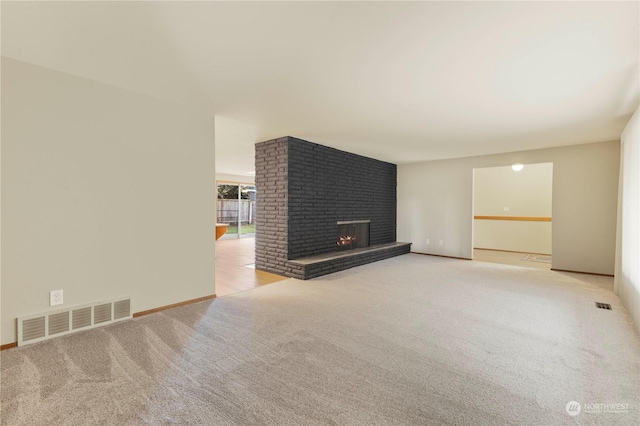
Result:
{"points": [[525, 193], [435, 202], [235, 150], [226, 177], [517, 236], [627, 281], [105, 193]]}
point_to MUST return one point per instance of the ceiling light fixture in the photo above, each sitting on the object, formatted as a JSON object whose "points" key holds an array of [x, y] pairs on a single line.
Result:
{"points": [[517, 167]]}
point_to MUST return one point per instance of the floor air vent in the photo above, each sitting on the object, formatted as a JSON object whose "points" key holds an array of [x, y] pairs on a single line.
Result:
{"points": [[603, 306], [39, 327]]}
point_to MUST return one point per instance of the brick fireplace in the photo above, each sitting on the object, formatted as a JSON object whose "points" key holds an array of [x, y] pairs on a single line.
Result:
{"points": [[309, 196], [352, 234]]}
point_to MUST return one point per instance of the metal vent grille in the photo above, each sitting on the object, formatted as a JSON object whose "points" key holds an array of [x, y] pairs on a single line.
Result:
{"points": [[33, 328], [121, 309], [81, 318], [43, 326], [58, 323], [102, 313], [603, 306]]}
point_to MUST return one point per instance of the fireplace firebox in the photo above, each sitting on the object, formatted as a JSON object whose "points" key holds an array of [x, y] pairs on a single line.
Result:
{"points": [[352, 234]]}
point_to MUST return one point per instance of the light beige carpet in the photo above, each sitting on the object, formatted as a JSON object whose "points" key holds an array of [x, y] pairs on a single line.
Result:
{"points": [[409, 340]]}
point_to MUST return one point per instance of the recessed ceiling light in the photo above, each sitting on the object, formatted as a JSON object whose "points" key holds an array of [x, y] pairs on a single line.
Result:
{"points": [[517, 167]]}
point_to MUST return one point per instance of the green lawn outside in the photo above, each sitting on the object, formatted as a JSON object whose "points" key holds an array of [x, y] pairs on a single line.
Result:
{"points": [[245, 229]]}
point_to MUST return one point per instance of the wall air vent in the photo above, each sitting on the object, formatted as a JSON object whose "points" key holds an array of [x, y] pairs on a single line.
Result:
{"points": [[58, 323], [34, 328], [46, 325], [603, 305], [81, 318], [102, 313], [122, 309]]}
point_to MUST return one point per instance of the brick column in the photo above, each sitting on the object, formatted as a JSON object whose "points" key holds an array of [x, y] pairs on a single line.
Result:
{"points": [[272, 198]]}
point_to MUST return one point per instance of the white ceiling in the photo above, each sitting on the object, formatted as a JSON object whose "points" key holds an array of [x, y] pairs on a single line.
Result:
{"points": [[401, 82]]}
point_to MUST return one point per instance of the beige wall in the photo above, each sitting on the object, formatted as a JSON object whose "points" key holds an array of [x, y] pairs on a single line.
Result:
{"points": [[105, 193], [627, 281], [435, 202], [501, 191]]}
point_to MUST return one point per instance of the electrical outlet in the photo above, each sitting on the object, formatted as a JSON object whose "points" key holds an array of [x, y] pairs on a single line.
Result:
{"points": [[55, 297], [441, 242], [506, 209], [427, 241]]}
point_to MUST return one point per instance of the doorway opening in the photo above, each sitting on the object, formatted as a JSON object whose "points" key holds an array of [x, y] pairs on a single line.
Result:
{"points": [[235, 240], [512, 215]]}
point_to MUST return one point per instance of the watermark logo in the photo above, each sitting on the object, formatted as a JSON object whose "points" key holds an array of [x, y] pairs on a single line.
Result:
{"points": [[573, 408], [610, 408]]}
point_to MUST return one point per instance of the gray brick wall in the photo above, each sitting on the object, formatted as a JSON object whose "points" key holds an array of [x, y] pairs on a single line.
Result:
{"points": [[327, 185], [303, 189], [272, 196]]}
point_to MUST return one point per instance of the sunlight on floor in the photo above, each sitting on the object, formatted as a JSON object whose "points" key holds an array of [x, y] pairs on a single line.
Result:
{"points": [[235, 267], [510, 258]]}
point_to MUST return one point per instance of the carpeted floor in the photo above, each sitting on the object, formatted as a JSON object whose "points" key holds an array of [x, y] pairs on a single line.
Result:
{"points": [[409, 340]]}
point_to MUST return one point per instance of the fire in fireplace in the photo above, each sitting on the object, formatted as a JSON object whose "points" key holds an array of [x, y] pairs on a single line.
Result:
{"points": [[353, 234]]}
